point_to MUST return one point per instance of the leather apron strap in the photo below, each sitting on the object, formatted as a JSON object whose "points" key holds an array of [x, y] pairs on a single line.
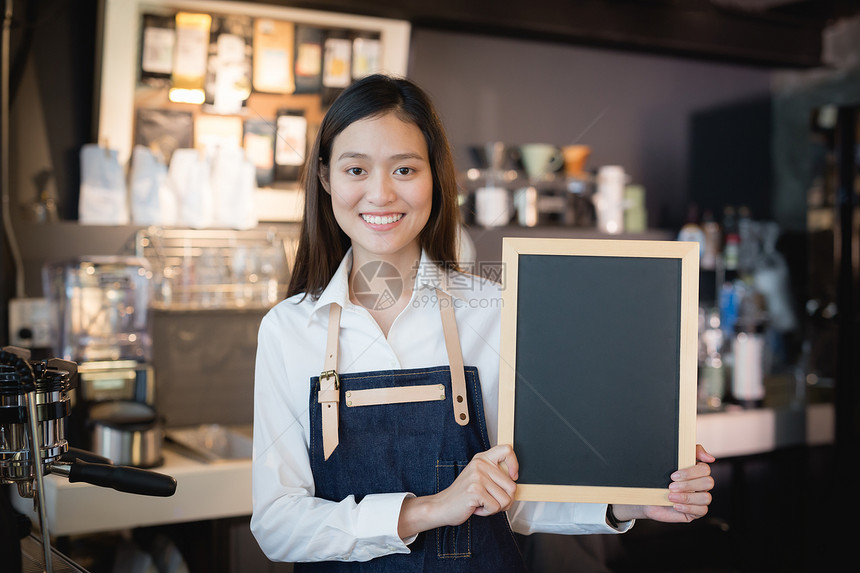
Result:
{"points": [[455, 358], [329, 393]]}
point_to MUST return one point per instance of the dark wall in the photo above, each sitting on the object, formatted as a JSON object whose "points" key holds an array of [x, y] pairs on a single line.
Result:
{"points": [[633, 109], [730, 158], [57, 39], [61, 38]]}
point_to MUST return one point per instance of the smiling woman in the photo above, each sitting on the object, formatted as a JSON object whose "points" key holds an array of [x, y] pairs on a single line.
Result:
{"points": [[376, 384]]}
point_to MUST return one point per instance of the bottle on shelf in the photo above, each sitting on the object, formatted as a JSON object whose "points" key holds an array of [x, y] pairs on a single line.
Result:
{"points": [[731, 247], [713, 241], [748, 242], [712, 371], [635, 214], [748, 349], [691, 231]]}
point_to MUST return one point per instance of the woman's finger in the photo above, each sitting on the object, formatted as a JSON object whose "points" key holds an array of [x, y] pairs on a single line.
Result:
{"points": [[504, 457], [704, 483], [699, 498], [691, 511], [485, 502], [703, 456], [701, 469], [504, 496]]}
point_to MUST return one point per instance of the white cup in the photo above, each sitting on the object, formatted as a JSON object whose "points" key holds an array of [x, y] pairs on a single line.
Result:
{"points": [[492, 206], [609, 199], [541, 159]]}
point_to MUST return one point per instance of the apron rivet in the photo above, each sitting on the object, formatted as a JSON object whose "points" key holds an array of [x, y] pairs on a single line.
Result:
{"points": [[462, 416], [459, 398]]}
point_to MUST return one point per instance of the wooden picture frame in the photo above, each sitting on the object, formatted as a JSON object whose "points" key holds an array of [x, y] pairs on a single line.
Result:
{"points": [[597, 388]]}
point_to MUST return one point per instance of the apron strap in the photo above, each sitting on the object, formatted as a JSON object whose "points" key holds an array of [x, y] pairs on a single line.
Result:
{"points": [[330, 363], [329, 392], [455, 358]]}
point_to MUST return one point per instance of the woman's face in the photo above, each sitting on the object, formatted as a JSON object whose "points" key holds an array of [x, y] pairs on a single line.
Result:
{"points": [[381, 185]]}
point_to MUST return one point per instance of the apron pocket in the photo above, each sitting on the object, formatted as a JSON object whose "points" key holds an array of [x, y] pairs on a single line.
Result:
{"points": [[452, 542]]}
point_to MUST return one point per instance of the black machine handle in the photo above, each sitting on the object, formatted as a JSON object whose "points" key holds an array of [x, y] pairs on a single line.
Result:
{"points": [[123, 478]]}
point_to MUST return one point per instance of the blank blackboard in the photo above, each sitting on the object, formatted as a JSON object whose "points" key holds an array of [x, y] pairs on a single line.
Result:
{"points": [[597, 385]]}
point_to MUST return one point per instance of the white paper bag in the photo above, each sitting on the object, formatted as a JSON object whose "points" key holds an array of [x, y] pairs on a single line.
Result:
{"points": [[103, 195], [147, 180], [234, 180], [188, 179]]}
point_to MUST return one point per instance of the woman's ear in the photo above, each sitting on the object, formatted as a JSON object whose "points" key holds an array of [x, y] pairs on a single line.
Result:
{"points": [[323, 175]]}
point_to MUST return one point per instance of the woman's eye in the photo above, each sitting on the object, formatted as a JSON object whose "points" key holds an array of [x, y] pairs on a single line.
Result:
{"points": [[355, 170], [403, 170]]}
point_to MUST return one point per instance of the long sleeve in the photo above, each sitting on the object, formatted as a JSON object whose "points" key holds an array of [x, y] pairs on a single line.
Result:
{"points": [[529, 517], [289, 523]]}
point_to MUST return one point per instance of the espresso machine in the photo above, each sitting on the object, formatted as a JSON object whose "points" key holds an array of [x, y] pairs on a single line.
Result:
{"points": [[34, 409], [101, 305]]}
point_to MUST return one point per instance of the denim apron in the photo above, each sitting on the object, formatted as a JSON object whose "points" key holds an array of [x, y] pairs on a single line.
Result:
{"points": [[407, 431]]}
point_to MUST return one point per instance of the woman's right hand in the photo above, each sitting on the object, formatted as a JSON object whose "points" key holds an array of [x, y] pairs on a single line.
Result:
{"points": [[485, 486]]}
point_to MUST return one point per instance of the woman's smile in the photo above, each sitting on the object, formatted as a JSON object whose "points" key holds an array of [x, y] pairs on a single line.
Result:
{"points": [[381, 221]]}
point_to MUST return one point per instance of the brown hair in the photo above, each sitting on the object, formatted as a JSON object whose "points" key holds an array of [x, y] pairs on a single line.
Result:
{"points": [[322, 243]]}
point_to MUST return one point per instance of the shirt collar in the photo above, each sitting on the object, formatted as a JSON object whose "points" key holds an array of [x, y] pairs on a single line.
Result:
{"points": [[429, 276], [337, 290]]}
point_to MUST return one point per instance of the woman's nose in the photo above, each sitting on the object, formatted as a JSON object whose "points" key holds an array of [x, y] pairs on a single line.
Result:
{"points": [[380, 190]]}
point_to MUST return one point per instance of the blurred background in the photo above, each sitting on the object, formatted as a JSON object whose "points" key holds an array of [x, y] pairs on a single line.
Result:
{"points": [[151, 155]]}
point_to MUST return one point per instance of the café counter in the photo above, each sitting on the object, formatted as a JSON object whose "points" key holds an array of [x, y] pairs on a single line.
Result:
{"points": [[203, 491], [220, 490]]}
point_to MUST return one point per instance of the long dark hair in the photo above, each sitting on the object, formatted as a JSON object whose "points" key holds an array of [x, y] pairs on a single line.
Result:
{"points": [[322, 243]]}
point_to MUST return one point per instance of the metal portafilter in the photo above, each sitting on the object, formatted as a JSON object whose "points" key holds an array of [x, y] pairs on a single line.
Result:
{"points": [[34, 407]]}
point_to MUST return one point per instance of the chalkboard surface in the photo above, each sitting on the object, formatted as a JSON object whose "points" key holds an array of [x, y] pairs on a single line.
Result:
{"points": [[596, 363]]}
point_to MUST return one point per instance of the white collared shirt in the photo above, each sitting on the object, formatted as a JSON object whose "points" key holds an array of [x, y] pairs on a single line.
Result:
{"points": [[292, 525]]}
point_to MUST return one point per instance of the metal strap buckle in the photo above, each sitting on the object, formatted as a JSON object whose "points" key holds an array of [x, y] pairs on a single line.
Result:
{"points": [[328, 374]]}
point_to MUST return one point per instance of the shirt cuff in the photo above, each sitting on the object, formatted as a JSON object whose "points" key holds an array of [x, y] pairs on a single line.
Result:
{"points": [[614, 523], [378, 521], [529, 517], [411, 538]]}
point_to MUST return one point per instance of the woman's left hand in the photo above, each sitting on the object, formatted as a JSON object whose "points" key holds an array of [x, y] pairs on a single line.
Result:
{"points": [[689, 492]]}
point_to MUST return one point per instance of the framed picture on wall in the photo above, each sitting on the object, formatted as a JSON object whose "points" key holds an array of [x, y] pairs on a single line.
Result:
{"points": [[138, 46]]}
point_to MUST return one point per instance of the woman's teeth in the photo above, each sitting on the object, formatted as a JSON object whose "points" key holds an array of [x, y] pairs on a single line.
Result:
{"points": [[378, 220]]}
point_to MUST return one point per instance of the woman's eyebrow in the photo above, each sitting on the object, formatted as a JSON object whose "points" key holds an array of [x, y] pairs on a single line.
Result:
{"points": [[352, 155], [408, 155], [396, 156]]}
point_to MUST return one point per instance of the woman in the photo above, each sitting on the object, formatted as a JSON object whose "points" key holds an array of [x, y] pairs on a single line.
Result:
{"points": [[368, 447]]}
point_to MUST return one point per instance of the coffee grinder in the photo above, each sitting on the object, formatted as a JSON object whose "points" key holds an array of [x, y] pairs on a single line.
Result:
{"points": [[34, 406], [102, 324]]}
